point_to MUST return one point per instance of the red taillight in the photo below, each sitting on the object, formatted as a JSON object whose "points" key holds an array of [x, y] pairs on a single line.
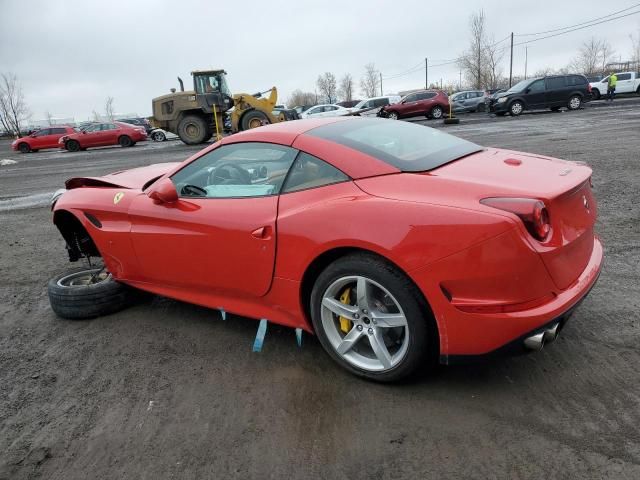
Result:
{"points": [[532, 212], [589, 87]]}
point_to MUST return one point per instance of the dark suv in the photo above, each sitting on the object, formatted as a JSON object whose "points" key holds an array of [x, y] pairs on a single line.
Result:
{"points": [[138, 122], [552, 92]]}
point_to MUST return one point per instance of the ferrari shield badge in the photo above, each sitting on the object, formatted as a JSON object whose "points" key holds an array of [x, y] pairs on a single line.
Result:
{"points": [[118, 196]]}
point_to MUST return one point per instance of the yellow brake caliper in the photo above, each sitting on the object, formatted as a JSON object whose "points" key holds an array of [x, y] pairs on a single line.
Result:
{"points": [[345, 323]]}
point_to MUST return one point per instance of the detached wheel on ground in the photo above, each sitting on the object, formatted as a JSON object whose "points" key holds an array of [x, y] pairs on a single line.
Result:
{"points": [[86, 293], [372, 320], [24, 148], [158, 136], [254, 119], [575, 102], [125, 141], [436, 113], [72, 145], [516, 108], [193, 130]]}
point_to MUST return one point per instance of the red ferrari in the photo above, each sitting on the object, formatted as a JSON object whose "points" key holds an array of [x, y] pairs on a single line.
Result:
{"points": [[102, 135], [396, 244]]}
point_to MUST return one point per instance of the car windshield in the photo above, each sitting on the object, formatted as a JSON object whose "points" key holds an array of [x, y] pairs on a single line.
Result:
{"points": [[406, 146], [520, 86]]}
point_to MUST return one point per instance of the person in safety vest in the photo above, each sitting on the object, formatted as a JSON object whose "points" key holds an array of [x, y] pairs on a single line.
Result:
{"points": [[611, 86]]}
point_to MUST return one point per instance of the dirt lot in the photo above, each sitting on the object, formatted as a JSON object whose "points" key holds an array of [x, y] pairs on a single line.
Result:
{"points": [[169, 390]]}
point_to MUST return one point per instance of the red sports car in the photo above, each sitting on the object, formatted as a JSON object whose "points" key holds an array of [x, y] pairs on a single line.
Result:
{"points": [[102, 135], [44, 138], [396, 244]]}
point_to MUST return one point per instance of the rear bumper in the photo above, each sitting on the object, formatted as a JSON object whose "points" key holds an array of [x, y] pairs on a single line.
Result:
{"points": [[506, 272]]}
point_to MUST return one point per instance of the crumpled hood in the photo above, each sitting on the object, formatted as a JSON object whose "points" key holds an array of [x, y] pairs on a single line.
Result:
{"points": [[134, 178]]}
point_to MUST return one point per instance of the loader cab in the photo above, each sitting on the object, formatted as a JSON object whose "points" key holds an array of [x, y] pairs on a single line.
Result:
{"points": [[212, 90]]}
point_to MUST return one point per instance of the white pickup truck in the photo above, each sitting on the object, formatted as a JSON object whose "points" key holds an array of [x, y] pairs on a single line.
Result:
{"points": [[628, 82]]}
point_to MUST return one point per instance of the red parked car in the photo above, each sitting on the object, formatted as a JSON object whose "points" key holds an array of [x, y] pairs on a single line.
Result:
{"points": [[430, 103], [41, 139], [103, 134], [395, 243]]}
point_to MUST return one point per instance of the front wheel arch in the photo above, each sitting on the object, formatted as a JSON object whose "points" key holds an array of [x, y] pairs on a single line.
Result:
{"points": [[78, 240]]}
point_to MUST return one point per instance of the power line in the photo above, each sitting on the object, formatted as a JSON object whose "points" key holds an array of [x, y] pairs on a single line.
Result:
{"points": [[576, 25], [562, 31], [577, 28]]}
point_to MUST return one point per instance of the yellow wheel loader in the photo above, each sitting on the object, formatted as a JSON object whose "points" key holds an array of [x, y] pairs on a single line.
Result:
{"points": [[196, 115]]}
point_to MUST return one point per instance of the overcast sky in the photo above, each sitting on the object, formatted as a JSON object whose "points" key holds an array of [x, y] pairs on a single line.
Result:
{"points": [[71, 55]]}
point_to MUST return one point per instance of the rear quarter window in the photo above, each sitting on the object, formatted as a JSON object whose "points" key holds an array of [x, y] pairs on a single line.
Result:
{"points": [[405, 146], [554, 83]]}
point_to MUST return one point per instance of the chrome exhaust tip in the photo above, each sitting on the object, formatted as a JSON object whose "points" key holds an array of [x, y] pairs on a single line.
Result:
{"points": [[537, 341], [551, 333]]}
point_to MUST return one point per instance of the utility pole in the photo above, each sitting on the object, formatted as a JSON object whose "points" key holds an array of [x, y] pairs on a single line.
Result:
{"points": [[381, 84], [460, 81], [426, 73], [511, 62], [526, 55]]}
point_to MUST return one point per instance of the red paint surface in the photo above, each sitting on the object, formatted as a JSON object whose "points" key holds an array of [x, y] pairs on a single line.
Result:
{"points": [[250, 255]]}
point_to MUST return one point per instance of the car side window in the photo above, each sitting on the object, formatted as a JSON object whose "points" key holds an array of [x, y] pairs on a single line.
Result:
{"points": [[314, 110], [311, 172], [56, 131], [250, 169], [554, 83], [410, 98], [624, 76], [109, 126], [537, 86], [365, 105], [330, 108], [43, 132]]}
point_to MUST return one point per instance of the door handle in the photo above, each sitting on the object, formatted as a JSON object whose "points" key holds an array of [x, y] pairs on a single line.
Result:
{"points": [[262, 233]]}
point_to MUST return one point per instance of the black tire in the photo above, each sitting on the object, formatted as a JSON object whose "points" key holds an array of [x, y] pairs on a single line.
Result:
{"points": [[253, 119], [125, 141], [24, 148], [638, 91], [422, 343], [193, 130], [516, 108], [77, 302], [436, 113], [595, 93], [392, 115], [72, 145], [575, 102]]}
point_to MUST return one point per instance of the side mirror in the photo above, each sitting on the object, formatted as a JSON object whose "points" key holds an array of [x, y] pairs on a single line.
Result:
{"points": [[527, 90], [163, 191]]}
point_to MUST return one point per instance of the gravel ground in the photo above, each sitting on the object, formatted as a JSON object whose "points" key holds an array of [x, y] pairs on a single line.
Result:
{"points": [[169, 390]]}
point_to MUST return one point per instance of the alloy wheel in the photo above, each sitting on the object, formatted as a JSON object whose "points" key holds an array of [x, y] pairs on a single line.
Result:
{"points": [[364, 323]]}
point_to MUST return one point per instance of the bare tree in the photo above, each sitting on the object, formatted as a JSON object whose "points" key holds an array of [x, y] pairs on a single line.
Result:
{"points": [[327, 86], [13, 108], [96, 116], [299, 98], [472, 61], [346, 87], [48, 117], [635, 49], [370, 82], [491, 71], [108, 108], [593, 56]]}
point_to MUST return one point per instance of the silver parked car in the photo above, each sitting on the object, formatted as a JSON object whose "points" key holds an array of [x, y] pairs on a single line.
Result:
{"points": [[371, 106], [469, 101]]}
